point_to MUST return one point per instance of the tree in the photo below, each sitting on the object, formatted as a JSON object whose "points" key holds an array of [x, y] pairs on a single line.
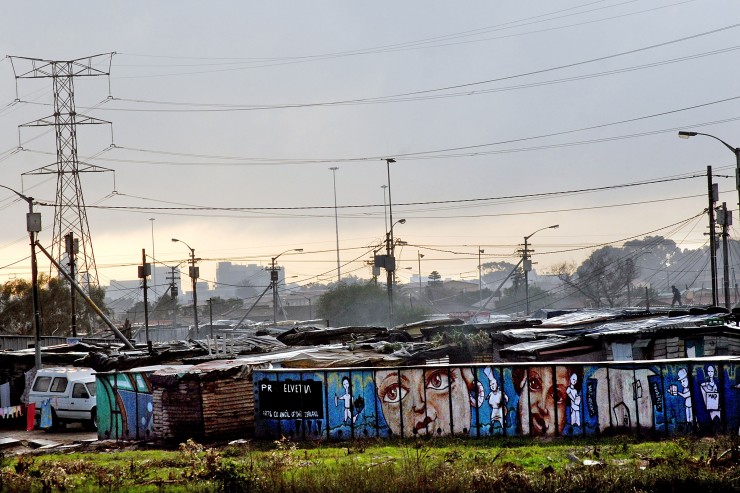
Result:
{"points": [[16, 299], [363, 304], [435, 277], [601, 278]]}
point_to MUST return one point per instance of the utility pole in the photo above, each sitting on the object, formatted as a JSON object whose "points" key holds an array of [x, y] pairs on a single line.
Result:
{"points": [[72, 247], [336, 221], [725, 220], [69, 206], [173, 292], [419, 256], [145, 270], [210, 315], [275, 280], [390, 267], [33, 226], [712, 193], [480, 278], [527, 263]]}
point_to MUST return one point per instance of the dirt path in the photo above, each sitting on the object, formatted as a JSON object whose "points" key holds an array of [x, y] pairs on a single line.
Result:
{"points": [[14, 442]]}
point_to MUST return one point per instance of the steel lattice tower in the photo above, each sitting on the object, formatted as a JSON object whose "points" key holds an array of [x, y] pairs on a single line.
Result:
{"points": [[69, 206]]}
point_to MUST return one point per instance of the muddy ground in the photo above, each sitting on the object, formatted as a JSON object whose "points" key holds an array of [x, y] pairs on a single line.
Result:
{"points": [[73, 436]]}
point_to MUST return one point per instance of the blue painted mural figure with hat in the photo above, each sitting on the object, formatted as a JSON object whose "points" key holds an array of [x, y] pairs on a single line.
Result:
{"points": [[685, 392]]}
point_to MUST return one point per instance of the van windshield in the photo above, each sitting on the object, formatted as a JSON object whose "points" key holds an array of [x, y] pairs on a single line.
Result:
{"points": [[91, 388]]}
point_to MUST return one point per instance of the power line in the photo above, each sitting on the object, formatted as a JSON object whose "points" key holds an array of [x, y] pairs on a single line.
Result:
{"points": [[232, 107], [457, 201], [403, 46]]}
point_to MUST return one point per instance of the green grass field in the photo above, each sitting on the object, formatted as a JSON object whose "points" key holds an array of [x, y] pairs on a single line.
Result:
{"points": [[616, 464]]}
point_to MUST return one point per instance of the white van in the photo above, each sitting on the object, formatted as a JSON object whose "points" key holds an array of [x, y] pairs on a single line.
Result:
{"points": [[70, 393]]}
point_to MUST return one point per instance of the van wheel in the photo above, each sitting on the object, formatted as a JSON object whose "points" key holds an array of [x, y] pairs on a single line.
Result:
{"points": [[92, 425]]}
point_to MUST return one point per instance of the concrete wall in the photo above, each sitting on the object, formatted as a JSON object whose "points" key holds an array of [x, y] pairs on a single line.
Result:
{"points": [[666, 398]]}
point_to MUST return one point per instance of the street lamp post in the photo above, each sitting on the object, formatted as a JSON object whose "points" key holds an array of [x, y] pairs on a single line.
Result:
{"points": [[193, 276], [527, 264], [336, 221], [735, 150], [33, 226], [274, 282]]}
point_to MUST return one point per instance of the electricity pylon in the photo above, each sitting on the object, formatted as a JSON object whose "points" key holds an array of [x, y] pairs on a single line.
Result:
{"points": [[69, 207]]}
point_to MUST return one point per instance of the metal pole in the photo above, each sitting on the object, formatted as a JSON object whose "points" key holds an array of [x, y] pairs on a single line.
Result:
{"points": [[336, 221], [385, 207], [154, 272], [33, 226], [194, 277], [389, 246], [69, 244], [526, 274], [87, 298], [389, 275], [419, 257], [35, 291], [737, 174], [725, 261], [210, 313], [273, 281], [712, 244], [480, 278], [146, 301]]}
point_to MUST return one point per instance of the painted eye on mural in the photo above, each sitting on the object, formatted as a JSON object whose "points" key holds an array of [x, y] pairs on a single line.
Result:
{"points": [[393, 393], [438, 380], [535, 383]]}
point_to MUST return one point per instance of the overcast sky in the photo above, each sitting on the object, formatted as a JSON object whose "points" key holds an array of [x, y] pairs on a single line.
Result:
{"points": [[492, 111]]}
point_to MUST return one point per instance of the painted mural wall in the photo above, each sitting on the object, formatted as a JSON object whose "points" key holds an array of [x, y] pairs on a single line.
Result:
{"points": [[664, 397], [125, 406]]}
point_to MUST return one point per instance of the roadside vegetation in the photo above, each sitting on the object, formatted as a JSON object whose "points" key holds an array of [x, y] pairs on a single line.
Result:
{"points": [[422, 465]]}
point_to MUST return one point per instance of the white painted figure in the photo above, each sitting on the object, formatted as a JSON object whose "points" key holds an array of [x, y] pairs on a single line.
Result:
{"points": [[497, 399], [575, 401], [710, 394]]}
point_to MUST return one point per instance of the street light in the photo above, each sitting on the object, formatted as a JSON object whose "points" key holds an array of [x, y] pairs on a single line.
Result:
{"points": [[194, 271], [527, 264], [274, 282], [33, 226], [735, 150], [336, 221]]}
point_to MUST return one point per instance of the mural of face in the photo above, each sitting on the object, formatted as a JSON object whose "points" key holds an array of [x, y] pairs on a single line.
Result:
{"points": [[425, 401], [540, 395]]}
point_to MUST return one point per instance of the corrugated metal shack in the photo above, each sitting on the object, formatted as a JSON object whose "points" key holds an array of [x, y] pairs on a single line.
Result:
{"points": [[210, 400], [124, 402], [576, 337]]}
